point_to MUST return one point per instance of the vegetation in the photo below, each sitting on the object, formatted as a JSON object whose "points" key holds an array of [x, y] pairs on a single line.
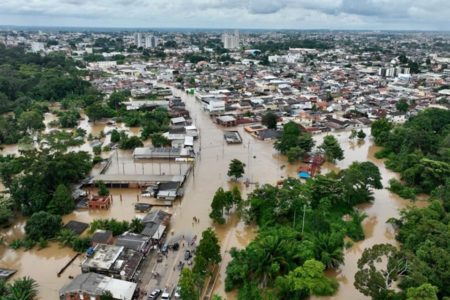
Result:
{"points": [[33, 177], [24, 288], [236, 169], [402, 105], [269, 119], [116, 227], [127, 142], [419, 149], [25, 76], [301, 233], [207, 256], [102, 189], [43, 225], [420, 267], [158, 140], [291, 137], [224, 201], [62, 202], [332, 149], [403, 191], [6, 212]]}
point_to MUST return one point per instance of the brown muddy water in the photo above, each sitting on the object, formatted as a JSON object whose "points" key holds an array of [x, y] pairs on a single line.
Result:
{"points": [[264, 165]]}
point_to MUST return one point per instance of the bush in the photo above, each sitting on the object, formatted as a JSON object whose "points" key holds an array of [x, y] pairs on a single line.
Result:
{"points": [[403, 191], [16, 244]]}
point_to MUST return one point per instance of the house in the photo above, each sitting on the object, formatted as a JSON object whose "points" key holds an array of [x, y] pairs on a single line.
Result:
{"points": [[179, 121], [137, 242], [100, 202], [268, 134], [77, 227], [227, 121], [92, 286], [102, 237], [114, 261], [156, 223]]}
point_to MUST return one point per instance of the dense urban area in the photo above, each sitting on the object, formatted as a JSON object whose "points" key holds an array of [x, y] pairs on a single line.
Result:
{"points": [[224, 164]]}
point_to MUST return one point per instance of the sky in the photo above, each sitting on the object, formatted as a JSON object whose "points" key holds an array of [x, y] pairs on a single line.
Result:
{"points": [[253, 14]]}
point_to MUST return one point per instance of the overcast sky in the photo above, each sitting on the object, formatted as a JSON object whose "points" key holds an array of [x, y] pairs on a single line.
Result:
{"points": [[290, 14]]}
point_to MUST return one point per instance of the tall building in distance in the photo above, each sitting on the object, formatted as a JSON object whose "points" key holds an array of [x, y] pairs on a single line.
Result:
{"points": [[231, 41], [145, 40], [138, 39], [151, 41]]}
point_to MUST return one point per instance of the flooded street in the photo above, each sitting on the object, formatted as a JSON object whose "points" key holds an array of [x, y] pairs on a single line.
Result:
{"points": [[263, 165]]}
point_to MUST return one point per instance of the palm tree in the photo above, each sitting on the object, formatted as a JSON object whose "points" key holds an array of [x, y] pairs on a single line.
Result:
{"points": [[24, 288], [329, 249], [136, 225], [66, 237]]}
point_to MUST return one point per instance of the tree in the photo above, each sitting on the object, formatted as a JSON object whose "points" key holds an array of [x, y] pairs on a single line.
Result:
{"points": [[361, 135], [102, 189], [24, 288], [209, 248], [236, 169], [288, 138], [116, 98], [136, 225], [68, 119], [129, 142], [424, 292], [269, 119], [97, 111], [402, 105], [62, 201], [308, 279], [353, 134], [294, 154], [237, 199], [333, 150], [6, 212], [188, 287], [43, 225], [380, 130], [31, 120], [374, 280], [115, 136], [217, 206], [66, 237], [358, 180], [158, 140]]}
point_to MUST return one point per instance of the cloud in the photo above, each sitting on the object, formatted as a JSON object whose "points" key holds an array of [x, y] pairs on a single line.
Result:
{"points": [[301, 14]]}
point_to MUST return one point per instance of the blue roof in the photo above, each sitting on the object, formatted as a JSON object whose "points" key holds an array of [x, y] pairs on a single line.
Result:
{"points": [[304, 174]]}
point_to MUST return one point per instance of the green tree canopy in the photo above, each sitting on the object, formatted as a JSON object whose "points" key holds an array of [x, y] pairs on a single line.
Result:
{"points": [[62, 201], [43, 225], [306, 280], [333, 150], [269, 119], [236, 169], [374, 280]]}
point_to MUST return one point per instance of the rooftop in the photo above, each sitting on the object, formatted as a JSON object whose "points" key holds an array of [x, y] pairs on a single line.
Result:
{"points": [[95, 284]]}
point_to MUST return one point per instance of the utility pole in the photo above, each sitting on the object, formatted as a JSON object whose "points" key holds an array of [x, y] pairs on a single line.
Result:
{"points": [[304, 212]]}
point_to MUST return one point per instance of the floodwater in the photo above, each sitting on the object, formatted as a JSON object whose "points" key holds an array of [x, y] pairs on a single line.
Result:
{"points": [[263, 165]]}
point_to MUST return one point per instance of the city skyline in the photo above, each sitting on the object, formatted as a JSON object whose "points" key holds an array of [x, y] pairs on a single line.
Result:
{"points": [[218, 14]]}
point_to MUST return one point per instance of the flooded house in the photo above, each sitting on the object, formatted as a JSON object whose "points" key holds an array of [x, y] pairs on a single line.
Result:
{"points": [[114, 261], [134, 241], [93, 286], [102, 237], [156, 223], [100, 202]]}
